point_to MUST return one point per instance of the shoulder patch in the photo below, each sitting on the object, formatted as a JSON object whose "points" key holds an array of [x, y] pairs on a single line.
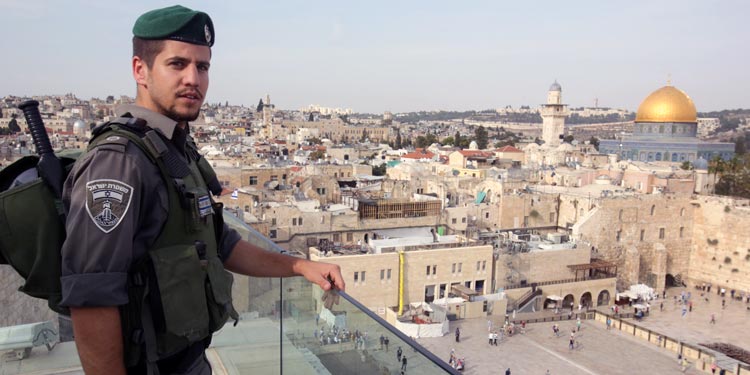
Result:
{"points": [[107, 202]]}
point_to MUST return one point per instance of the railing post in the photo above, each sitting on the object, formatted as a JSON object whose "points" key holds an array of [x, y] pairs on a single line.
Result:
{"points": [[281, 327]]}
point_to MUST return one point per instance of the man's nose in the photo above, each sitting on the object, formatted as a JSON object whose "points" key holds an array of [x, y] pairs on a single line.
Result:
{"points": [[191, 75]]}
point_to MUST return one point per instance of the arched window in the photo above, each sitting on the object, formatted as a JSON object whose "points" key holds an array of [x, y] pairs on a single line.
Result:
{"points": [[620, 214], [653, 209], [682, 212]]}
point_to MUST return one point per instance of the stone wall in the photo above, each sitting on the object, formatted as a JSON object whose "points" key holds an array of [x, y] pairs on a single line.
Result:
{"points": [[538, 266], [721, 243], [16, 307], [634, 224]]}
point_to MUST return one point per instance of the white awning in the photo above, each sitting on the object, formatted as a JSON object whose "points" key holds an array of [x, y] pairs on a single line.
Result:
{"points": [[554, 297]]}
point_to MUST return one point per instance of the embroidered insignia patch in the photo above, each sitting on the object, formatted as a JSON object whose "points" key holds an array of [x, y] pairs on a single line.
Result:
{"points": [[107, 202]]}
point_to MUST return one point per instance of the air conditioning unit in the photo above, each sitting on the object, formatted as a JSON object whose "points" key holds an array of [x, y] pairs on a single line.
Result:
{"points": [[22, 338]]}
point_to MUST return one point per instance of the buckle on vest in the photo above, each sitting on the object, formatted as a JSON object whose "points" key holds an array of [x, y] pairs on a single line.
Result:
{"points": [[179, 184], [137, 336]]}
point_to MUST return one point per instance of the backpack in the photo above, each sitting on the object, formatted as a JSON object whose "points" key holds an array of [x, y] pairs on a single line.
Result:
{"points": [[32, 228], [32, 221]]}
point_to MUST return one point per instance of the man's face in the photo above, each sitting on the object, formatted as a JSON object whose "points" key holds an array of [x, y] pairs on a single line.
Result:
{"points": [[176, 84]]}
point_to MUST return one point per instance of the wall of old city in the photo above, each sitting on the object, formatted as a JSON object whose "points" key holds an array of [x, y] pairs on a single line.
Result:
{"points": [[625, 230], [373, 291], [721, 243], [538, 266], [528, 210], [18, 308]]}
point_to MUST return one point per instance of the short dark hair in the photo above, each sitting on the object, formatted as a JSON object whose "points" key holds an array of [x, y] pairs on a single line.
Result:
{"points": [[147, 49]]}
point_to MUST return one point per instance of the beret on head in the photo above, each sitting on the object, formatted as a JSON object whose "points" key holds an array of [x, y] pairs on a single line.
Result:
{"points": [[176, 23]]}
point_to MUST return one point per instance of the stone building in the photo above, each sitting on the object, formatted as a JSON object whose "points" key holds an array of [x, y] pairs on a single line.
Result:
{"points": [[666, 129]]}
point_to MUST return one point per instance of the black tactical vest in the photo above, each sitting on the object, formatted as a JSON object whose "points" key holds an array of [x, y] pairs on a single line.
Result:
{"points": [[179, 292]]}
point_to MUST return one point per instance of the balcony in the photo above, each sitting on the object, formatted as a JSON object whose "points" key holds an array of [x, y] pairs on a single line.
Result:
{"points": [[283, 329]]}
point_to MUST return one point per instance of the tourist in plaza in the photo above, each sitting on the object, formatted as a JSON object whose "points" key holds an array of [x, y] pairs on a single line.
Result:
{"points": [[609, 322], [713, 318], [490, 336], [684, 364], [399, 352], [403, 363], [661, 306], [507, 372], [386, 341], [578, 324], [382, 341], [458, 335]]}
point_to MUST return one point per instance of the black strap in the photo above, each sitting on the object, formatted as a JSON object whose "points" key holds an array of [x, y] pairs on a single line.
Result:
{"points": [[149, 334]]}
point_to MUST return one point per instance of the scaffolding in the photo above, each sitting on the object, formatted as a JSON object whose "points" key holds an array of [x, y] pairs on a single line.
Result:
{"points": [[397, 209]]}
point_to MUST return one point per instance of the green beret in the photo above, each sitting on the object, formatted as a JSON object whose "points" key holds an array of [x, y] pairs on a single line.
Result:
{"points": [[176, 23]]}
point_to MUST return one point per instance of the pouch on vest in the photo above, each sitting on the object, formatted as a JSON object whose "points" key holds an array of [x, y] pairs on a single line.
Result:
{"points": [[32, 230]]}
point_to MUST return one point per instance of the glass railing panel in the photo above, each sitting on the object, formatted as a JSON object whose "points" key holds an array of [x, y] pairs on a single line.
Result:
{"points": [[346, 338], [306, 341]]}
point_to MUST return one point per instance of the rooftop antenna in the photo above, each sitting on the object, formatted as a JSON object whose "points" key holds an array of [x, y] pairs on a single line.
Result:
{"points": [[669, 79]]}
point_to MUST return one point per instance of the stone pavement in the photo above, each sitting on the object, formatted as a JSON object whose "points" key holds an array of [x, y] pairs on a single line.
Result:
{"points": [[598, 351], [732, 322]]}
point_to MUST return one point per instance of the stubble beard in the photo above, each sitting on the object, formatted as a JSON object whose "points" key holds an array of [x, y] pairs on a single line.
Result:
{"points": [[182, 117]]}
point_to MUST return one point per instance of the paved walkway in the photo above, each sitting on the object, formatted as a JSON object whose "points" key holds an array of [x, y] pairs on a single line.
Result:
{"points": [[732, 322], [597, 351]]}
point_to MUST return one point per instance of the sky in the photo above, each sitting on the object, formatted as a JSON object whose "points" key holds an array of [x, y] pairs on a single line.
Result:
{"points": [[400, 56]]}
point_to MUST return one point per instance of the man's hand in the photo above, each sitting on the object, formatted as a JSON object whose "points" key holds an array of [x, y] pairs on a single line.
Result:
{"points": [[326, 275]]}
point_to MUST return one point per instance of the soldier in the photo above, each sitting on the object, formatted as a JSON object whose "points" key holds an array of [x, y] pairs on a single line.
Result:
{"points": [[143, 266]]}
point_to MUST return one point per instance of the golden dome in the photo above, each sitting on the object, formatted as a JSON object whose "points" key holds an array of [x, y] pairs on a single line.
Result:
{"points": [[667, 104]]}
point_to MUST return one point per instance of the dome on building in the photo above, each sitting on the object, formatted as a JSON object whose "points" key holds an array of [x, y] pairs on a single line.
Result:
{"points": [[667, 104], [555, 87], [79, 127], [473, 145]]}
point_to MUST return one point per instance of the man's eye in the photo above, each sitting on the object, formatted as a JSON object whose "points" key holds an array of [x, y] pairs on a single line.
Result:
{"points": [[203, 68], [177, 64]]}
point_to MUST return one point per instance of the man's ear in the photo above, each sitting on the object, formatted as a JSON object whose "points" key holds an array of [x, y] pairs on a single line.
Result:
{"points": [[140, 71]]}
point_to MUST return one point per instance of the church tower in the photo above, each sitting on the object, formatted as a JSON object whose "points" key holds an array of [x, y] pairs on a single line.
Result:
{"points": [[553, 117]]}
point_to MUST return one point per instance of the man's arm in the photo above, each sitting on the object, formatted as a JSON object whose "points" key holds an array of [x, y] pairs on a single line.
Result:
{"points": [[98, 338], [251, 260]]}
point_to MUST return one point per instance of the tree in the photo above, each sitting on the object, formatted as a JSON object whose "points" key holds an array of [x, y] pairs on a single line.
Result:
{"points": [[13, 125], [259, 108], [716, 166], [421, 142], [480, 133], [314, 141], [595, 142], [568, 139], [364, 135], [735, 179], [379, 170], [457, 138], [448, 141], [311, 118], [687, 166], [317, 155], [398, 140], [740, 145]]}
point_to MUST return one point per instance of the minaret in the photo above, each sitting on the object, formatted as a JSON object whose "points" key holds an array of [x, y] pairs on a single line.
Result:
{"points": [[268, 117], [553, 117]]}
